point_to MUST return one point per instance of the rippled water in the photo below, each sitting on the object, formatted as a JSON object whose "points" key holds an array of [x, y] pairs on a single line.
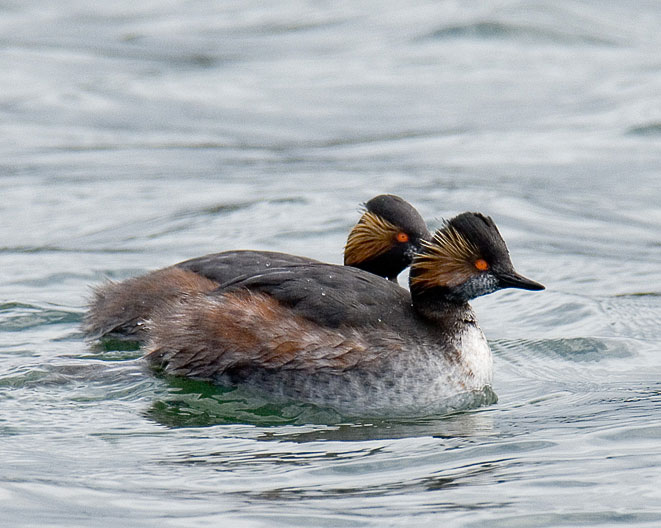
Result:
{"points": [[136, 135]]}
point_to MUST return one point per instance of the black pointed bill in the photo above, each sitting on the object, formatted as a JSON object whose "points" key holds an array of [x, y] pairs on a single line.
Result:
{"points": [[514, 280]]}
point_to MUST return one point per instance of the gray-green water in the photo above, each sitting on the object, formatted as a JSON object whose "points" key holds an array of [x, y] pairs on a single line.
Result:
{"points": [[136, 135]]}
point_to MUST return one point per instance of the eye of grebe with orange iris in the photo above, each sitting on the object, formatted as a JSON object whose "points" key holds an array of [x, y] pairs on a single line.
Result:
{"points": [[402, 237], [482, 264]]}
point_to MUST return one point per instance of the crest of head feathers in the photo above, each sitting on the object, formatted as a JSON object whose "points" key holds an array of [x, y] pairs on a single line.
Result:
{"points": [[371, 236], [448, 260]]}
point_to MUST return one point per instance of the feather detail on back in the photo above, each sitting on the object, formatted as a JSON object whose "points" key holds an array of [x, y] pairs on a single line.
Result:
{"points": [[122, 306], [204, 336]]}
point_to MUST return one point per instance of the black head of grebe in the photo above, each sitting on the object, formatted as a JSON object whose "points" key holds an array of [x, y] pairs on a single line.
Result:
{"points": [[386, 237]]}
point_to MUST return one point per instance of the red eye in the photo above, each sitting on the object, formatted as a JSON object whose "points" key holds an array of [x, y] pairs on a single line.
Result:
{"points": [[402, 237], [482, 264]]}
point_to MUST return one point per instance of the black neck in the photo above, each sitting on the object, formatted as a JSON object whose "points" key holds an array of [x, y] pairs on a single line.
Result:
{"points": [[438, 303], [386, 265]]}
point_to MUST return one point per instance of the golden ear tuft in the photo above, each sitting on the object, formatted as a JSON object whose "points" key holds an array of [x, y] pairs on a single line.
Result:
{"points": [[370, 237], [448, 260]]}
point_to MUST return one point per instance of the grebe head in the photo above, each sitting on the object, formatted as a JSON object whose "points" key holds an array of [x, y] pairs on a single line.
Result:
{"points": [[386, 237], [466, 258]]}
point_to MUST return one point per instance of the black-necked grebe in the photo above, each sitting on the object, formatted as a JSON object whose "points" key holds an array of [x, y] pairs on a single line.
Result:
{"points": [[340, 337], [383, 242]]}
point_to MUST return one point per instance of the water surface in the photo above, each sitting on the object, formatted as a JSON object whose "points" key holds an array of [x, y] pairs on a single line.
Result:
{"points": [[137, 135]]}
